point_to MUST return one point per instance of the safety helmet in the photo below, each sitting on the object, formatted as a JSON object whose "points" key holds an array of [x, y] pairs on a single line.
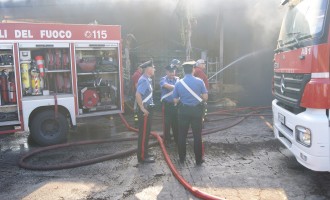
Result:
{"points": [[175, 62]]}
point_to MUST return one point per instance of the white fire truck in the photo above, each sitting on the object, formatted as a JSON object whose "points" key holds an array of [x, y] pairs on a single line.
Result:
{"points": [[52, 74], [302, 83]]}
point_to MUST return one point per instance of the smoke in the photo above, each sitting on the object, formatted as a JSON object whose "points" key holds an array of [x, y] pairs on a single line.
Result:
{"points": [[248, 26], [263, 16], [266, 16]]}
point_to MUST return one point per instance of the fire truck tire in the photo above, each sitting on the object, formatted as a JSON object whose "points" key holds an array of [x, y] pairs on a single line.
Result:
{"points": [[46, 130]]}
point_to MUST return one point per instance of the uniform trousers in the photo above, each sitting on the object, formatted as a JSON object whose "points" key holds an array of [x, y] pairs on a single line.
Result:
{"points": [[144, 133], [190, 116], [170, 117]]}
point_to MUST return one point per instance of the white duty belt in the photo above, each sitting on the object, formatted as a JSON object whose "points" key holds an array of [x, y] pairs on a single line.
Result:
{"points": [[166, 95], [191, 91], [148, 97]]}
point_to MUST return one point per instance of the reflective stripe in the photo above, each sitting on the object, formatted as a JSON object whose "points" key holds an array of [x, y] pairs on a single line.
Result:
{"points": [[149, 96], [135, 105], [145, 119], [163, 116], [320, 75], [166, 95], [191, 91]]}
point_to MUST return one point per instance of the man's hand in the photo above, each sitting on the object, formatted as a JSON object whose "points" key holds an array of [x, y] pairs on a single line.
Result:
{"points": [[169, 86], [138, 98], [176, 101], [205, 97]]}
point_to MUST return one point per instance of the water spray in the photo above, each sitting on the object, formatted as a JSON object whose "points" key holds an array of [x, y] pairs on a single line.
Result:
{"points": [[237, 60]]}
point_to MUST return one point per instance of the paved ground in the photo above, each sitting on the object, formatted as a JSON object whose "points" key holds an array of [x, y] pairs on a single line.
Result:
{"points": [[243, 162]]}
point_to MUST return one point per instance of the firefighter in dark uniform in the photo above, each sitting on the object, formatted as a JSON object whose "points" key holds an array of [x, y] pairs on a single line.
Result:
{"points": [[170, 112], [199, 73], [145, 103], [135, 78], [189, 94]]}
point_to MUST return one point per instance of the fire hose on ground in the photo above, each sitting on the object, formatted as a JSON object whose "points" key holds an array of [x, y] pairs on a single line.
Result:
{"points": [[192, 189]]}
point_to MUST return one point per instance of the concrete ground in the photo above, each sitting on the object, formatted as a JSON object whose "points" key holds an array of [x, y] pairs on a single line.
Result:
{"points": [[243, 162]]}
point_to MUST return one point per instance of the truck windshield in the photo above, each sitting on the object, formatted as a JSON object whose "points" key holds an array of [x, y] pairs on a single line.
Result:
{"points": [[302, 21]]}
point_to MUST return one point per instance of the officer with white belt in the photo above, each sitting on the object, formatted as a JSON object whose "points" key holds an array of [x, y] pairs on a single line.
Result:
{"points": [[190, 94], [145, 103], [169, 111]]}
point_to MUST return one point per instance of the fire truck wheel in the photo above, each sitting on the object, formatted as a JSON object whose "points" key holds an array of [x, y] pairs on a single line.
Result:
{"points": [[46, 130]]}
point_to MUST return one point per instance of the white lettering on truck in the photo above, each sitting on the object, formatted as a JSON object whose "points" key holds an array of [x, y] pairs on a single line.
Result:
{"points": [[306, 51], [23, 34], [54, 34], [3, 33]]}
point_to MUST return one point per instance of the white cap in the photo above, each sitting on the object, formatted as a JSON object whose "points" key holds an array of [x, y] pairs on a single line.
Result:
{"points": [[189, 64], [200, 61]]}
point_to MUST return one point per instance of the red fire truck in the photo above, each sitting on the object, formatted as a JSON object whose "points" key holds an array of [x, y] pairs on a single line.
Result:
{"points": [[52, 74], [302, 83]]}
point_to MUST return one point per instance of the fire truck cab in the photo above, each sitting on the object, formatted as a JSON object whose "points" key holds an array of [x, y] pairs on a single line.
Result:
{"points": [[52, 74], [302, 83]]}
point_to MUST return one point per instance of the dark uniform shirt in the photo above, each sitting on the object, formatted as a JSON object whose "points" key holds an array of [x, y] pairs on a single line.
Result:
{"points": [[199, 73], [135, 78]]}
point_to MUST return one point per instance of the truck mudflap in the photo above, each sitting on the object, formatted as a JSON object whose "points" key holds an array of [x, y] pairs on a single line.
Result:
{"points": [[315, 156]]}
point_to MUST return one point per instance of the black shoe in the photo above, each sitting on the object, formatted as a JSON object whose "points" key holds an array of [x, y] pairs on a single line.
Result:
{"points": [[149, 155], [170, 146], [147, 160], [167, 143], [200, 162]]}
